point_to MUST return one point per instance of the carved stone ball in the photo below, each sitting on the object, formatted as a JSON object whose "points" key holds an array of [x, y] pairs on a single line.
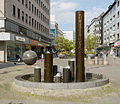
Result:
{"points": [[29, 57]]}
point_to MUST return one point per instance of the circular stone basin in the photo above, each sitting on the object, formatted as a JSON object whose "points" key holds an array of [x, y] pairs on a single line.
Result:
{"points": [[92, 80]]}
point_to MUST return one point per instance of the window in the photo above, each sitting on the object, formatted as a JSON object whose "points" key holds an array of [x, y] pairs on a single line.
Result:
{"points": [[118, 3], [14, 10], [35, 10], [32, 21], [118, 14], [29, 5], [23, 2], [22, 16], [26, 18], [118, 25], [35, 23], [26, 3], [39, 2], [18, 13], [29, 20], [118, 36], [32, 7]]}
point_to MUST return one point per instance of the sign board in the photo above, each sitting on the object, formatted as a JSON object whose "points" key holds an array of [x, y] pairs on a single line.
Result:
{"points": [[2, 24], [20, 39], [34, 42]]}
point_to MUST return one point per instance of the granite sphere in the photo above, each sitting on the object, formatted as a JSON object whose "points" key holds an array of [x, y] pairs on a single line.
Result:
{"points": [[29, 57]]}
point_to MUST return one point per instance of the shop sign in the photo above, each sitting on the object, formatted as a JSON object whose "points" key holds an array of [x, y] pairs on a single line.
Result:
{"points": [[34, 42], [118, 44], [20, 39]]}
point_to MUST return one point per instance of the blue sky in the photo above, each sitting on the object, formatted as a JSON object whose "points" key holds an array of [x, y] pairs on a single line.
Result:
{"points": [[64, 11]]}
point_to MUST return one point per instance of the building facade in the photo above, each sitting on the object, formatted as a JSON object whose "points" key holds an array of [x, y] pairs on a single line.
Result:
{"points": [[23, 24], [68, 35], [95, 28]]}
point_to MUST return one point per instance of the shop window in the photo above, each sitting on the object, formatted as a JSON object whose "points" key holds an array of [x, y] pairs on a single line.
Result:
{"points": [[14, 10]]}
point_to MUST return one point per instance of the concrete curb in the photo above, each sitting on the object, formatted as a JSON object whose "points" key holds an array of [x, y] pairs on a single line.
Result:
{"points": [[21, 81]]}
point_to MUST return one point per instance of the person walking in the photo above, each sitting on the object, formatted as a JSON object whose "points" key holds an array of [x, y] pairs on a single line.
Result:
{"points": [[42, 57], [114, 55]]}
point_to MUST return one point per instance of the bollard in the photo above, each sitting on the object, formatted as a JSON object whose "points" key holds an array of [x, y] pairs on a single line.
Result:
{"points": [[80, 68], [96, 60], [57, 78], [66, 75], [55, 69], [105, 62], [48, 68], [37, 74], [71, 64]]}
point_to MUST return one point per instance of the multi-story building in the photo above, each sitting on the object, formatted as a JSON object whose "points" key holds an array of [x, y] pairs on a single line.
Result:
{"points": [[60, 33], [95, 28], [23, 23], [110, 25], [68, 35]]}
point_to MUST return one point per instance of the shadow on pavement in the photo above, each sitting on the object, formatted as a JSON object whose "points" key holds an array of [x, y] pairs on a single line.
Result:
{"points": [[9, 64]]}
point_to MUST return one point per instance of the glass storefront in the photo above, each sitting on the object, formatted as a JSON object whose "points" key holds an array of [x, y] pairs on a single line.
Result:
{"points": [[14, 49]]}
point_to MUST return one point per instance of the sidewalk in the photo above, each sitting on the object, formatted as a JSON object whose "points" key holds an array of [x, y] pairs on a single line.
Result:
{"points": [[8, 71]]}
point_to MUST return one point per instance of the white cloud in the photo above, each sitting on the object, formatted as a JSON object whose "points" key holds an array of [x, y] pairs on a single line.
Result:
{"points": [[61, 6], [92, 13], [65, 13]]}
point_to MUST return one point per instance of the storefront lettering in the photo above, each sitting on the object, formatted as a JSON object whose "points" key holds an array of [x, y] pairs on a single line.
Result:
{"points": [[20, 39]]}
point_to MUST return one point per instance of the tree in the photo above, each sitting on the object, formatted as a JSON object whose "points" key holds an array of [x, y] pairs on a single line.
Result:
{"points": [[91, 42], [62, 43]]}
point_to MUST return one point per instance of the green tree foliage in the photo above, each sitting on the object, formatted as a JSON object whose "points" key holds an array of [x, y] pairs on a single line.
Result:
{"points": [[91, 42], [64, 44]]}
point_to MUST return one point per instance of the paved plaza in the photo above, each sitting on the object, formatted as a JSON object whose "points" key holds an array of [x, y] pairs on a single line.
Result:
{"points": [[110, 94]]}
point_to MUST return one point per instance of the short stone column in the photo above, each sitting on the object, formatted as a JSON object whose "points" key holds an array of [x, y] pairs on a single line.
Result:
{"points": [[90, 61], [66, 74], [96, 60], [57, 78], [71, 64], [100, 61], [48, 68], [37, 74], [105, 62]]}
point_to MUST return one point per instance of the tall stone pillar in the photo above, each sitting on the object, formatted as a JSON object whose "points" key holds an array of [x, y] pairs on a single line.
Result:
{"points": [[80, 69], [48, 68]]}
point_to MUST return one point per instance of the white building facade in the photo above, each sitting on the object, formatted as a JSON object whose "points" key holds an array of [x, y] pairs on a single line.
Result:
{"points": [[23, 23], [95, 28], [68, 35]]}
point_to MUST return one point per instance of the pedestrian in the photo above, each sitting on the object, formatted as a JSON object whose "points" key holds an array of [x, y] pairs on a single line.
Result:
{"points": [[42, 57], [114, 55], [106, 53], [18, 58]]}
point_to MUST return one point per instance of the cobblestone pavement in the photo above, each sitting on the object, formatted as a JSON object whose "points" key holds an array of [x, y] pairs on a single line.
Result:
{"points": [[9, 95]]}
